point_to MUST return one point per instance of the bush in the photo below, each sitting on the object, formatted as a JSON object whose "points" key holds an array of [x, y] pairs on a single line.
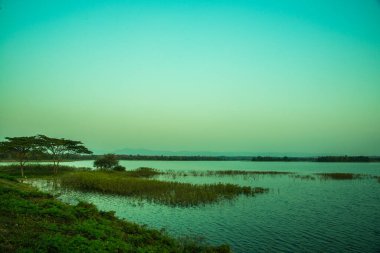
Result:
{"points": [[106, 162], [119, 168]]}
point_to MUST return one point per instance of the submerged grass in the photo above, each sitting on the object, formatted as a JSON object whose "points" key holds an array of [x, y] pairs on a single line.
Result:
{"points": [[31, 221], [303, 177], [163, 192]]}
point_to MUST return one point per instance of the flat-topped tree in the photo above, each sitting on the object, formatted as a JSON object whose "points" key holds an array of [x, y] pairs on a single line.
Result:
{"points": [[20, 148], [58, 148]]}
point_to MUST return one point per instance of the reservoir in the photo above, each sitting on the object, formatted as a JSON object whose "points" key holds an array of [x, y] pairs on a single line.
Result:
{"points": [[301, 212]]}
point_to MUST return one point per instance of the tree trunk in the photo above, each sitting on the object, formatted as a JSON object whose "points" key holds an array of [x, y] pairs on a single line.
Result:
{"points": [[56, 167], [22, 169]]}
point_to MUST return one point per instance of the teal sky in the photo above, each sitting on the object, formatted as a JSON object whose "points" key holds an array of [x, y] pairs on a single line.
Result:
{"points": [[259, 76]]}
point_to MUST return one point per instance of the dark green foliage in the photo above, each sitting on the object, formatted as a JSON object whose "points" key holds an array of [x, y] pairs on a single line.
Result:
{"points": [[143, 172], [57, 148], [348, 159], [31, 221], [8, 177], [106, 162], [20, 148], [118, 168], [168, 193]]}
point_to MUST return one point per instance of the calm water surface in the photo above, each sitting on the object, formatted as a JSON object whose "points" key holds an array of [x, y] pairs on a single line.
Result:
{"points": [[295, 216]]}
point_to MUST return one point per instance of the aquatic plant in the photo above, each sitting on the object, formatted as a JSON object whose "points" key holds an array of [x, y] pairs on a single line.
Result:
{"points": [[339, 176], [144, 172], [222, 173], [163, 192], [303, 177]]}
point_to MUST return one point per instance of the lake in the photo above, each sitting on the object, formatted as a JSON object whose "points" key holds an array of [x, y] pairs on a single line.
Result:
{"points": [[294, 216]]}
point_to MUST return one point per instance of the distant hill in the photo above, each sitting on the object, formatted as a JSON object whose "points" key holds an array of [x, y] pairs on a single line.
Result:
{"points": [[149, 152]]}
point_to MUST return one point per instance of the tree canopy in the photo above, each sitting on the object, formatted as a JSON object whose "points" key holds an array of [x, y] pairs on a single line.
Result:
{"points": [[21, 148], [106, 162], [57, 148]]}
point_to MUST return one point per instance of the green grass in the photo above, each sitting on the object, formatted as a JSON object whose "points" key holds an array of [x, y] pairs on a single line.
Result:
{"points": [[162, 192], [31, 221]]}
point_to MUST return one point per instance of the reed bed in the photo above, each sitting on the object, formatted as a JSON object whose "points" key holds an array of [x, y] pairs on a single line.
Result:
{"points": [[143, 172], [303, 177], [340, 176], [226, 173], [162, 192]]}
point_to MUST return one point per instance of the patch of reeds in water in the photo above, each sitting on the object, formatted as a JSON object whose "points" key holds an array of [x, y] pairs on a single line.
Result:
{"points": [[226, 173], [143, 172], [340, 176], [303, 177], [168, 193]]}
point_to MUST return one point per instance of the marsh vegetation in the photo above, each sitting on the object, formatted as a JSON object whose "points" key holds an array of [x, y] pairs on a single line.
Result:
{"points": [[140, 194], [162, 192], [32, 221], [341, 176], [209, 173]]}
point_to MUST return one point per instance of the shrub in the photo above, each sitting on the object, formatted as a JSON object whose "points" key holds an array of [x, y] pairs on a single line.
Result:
{"points": [[106, 162], [118, 168]]}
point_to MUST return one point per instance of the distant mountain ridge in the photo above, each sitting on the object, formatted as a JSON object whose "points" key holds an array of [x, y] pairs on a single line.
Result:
{"points": [[132, 151]]}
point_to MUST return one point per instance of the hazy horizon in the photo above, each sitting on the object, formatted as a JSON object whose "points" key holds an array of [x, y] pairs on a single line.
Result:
{"points": [[288, 77]]}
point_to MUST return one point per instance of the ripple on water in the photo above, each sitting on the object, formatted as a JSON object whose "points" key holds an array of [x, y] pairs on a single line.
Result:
{"points": [[295, 216]]}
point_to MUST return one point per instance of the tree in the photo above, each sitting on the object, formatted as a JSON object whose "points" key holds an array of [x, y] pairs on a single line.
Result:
{"points": [[58, 148], [106, 162], [20, 148]]}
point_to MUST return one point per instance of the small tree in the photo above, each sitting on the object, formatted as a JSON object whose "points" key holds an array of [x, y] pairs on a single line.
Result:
{"points": [[58, 148], [106, 162], [20, 148]]}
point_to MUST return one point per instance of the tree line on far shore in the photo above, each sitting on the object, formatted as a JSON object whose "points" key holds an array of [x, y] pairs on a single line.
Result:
{"points": [[42, 147]]}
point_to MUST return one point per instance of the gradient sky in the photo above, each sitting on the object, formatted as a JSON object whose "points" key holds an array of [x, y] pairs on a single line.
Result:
{"points": [[258, 76]]}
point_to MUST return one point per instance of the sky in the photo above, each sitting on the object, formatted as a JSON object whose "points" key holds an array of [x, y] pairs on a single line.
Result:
{"points": [[286, 76]]}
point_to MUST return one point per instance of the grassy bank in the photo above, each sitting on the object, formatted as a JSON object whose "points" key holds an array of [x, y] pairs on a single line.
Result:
{"points": [[31, 221], [168, 193]]}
